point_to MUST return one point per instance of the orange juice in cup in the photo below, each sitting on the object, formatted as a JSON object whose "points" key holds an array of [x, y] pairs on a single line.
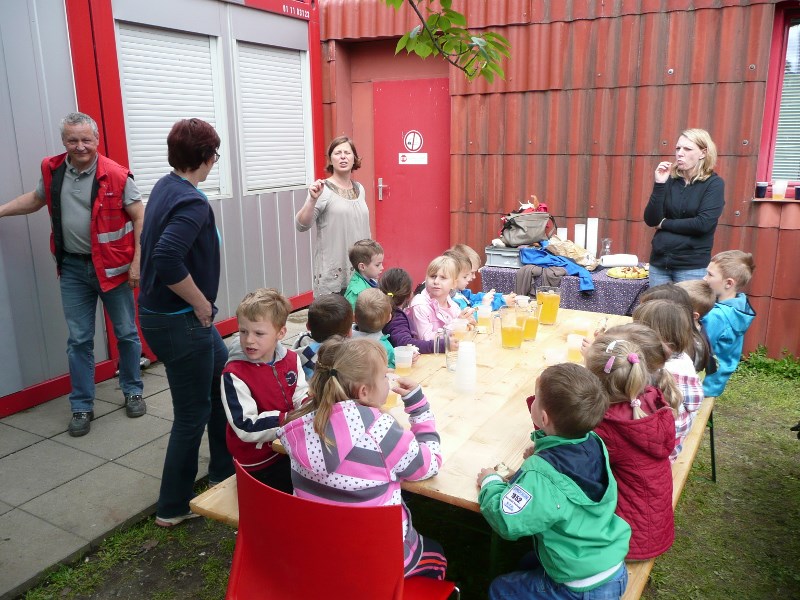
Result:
{"points": [[531, 326], [550, 300], [484, 318], [510, 329], [403, 357], [393, 399], [574, 343]]}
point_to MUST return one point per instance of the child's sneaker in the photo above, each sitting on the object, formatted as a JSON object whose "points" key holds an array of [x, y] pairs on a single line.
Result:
{"points": [[172, 521]]}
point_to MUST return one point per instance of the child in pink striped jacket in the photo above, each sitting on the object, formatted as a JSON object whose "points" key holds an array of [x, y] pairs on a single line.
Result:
{"points": [[344, 450]]}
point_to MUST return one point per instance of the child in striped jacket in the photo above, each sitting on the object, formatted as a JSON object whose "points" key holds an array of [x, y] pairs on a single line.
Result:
{"points": [[345, 450]]}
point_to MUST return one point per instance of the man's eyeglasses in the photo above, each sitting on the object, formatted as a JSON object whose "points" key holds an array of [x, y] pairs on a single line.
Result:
{"points": [[216, 157]]}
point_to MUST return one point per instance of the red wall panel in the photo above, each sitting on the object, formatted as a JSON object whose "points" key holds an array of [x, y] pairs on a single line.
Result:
{"points": [[595, 95]]}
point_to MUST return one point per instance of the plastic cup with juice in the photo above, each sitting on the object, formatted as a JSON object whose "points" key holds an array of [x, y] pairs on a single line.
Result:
{"points": [[574, 342], [393, 399], [548, 298], [403, 357], [510, 328], [531, 326], [484, 318]]}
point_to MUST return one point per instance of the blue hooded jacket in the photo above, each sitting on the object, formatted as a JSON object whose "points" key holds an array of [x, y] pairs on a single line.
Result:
{"points": [[726, 325]]}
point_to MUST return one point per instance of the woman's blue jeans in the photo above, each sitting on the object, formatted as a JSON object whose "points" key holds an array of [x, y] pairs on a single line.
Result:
{"points": [[659, 275], [194, 357]]}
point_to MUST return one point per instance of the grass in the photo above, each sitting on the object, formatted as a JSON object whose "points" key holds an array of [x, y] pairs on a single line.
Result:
{"points": [[734, 538]]}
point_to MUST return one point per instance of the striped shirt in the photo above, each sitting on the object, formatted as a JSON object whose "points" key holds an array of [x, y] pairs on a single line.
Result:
{"points": [[369, 455]]}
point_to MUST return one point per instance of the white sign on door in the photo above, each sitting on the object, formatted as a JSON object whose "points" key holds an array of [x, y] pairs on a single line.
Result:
{"points": [[420, 158], [413, 141]]}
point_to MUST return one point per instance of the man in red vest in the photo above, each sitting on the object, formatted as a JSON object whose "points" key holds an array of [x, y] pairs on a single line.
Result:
{"points": [[96, 215]]}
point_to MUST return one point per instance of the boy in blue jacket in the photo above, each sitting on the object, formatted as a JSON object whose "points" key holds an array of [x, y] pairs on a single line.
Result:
{"points": [[564, 496], [726, 323]]}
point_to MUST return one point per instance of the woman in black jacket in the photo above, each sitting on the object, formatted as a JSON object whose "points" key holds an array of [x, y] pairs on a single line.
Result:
{"points": [[684, 207]]}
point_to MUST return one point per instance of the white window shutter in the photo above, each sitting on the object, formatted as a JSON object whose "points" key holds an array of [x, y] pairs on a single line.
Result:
{"points": [[272, 124], [166, 76], [786, 157]]}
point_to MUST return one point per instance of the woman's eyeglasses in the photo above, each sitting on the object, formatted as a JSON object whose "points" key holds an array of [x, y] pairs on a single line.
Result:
{"points": [[216, 157]]}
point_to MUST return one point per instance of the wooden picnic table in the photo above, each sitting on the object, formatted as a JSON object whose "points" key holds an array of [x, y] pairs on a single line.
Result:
{"points": [[479, 429], [489, 426]]}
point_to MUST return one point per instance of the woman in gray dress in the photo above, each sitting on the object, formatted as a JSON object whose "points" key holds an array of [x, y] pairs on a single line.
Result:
{"points": [[338, 207]]}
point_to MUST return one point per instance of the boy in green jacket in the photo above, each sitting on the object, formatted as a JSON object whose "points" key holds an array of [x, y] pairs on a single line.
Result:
{"points": [[366, 256], [564, 495]]}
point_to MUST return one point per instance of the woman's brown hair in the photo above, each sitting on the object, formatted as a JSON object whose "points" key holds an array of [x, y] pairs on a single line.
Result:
{"points": [[190, 143], [342, 139]]}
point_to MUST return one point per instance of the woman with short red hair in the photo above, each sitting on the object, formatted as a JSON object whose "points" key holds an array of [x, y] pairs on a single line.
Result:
{"points": [[180, 278]]}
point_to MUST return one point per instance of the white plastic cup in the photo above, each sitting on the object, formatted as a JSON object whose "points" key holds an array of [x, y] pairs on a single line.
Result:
{"points": [[403, 357], [779, 189], [466, 367], [484, 318], [522, 301], [574, 343], [554, 356]]}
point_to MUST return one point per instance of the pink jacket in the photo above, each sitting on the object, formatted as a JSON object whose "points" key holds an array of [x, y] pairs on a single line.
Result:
{"points": [[426, 315]]}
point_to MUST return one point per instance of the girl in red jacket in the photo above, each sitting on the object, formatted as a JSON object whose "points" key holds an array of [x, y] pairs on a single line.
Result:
{"points": [[639, 432]]}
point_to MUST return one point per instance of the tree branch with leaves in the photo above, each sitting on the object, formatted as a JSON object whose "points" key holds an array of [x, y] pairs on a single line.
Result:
{"points": [[444, 31]]}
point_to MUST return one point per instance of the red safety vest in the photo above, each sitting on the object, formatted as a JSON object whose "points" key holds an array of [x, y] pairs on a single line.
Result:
{"points": [[111, 228]]}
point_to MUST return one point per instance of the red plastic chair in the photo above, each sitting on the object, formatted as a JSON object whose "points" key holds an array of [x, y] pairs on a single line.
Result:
{"points": [[291, 548]]}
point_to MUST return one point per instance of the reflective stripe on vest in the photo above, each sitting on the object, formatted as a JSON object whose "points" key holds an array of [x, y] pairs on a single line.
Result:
{"points": [[117, 271], [113, 236]]}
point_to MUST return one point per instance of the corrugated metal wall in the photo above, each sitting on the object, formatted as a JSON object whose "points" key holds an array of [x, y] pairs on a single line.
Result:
{"points": [[595, 95]]}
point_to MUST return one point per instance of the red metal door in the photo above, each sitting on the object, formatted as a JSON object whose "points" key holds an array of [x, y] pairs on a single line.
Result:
{"points": [[412, 171]]}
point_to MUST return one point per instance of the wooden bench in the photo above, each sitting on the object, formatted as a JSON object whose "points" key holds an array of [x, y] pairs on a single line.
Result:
{"points": [[639, 571], [221, 502]]}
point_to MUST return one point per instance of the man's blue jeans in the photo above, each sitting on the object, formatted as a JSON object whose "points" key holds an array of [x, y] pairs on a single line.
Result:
{"points": [[521, 585], [194, 357], [79, 292], [659, 275]]}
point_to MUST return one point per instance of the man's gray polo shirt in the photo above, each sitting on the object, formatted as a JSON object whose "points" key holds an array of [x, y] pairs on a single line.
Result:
{"points": [[76, 205]]}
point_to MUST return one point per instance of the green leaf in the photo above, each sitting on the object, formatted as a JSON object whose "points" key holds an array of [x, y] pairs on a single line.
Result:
{"points": [[423, 50], [410, 44], [456, 18], [401, 43], [491, 35], [446, 4]]}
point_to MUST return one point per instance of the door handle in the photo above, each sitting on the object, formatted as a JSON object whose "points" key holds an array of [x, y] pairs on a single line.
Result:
{"points": [[381, 187]]}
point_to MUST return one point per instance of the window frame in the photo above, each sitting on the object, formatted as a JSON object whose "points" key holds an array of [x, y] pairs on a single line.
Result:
{"points": [[785, 13]]}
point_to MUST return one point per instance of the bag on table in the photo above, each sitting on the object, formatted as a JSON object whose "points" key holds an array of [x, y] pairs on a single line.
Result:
{"points": [[529, 227], [572, 251]]}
